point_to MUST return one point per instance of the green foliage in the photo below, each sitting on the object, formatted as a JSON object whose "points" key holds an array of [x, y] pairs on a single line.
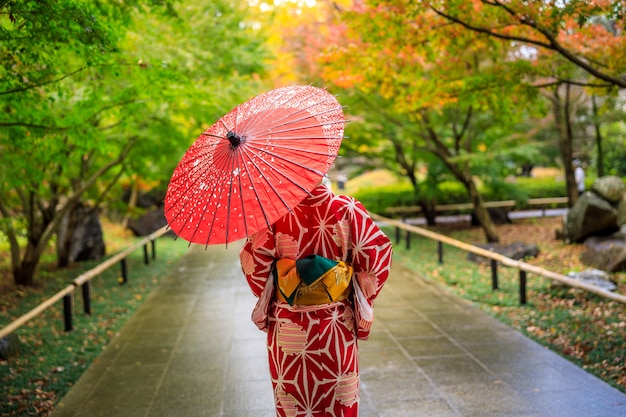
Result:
{"points": [[615, 156], [100, 94], [541, 187], [379, 199]]}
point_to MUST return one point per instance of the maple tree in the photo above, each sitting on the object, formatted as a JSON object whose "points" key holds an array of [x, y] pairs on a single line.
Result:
{"points": [[588, 33], [458, 89], [558, 37], [99, 92]]}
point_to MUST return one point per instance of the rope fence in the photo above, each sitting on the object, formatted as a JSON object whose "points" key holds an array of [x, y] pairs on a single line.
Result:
{"points": [[522, 267], [83, 281]]}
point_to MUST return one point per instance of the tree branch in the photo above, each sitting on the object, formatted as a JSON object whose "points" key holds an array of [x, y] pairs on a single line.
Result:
{"points": [[551, 44]]}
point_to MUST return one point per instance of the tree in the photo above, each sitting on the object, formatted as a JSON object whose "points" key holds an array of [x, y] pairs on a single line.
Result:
{"points": [[588, 33], [94, 98], [461, 90]]}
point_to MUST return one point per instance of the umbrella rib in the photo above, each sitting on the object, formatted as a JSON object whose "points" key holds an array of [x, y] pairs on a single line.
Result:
{"points": [[228, 203], [227, 157], [290, 148], [316, 123], [297, 128], [187, 163], [290, 162], [309, 115], [274, 188], [175, 180], [255, 119], [176, 215], [254, 188], [243, 206]]}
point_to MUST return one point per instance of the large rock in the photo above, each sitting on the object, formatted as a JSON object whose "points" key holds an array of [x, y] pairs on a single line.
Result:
{"points": [[607, 253], [515, 250], [596, 277], [609, 188], [149, 223], [621, 211], [591, 215], [499, 215], [87, 240]]}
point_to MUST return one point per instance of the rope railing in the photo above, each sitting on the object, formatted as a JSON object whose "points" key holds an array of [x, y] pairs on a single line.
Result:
{"points": [[84, 281], [496, 258]]}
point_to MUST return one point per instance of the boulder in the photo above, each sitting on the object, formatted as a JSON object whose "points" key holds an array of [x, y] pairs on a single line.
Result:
{"points": [[609, 188], [87, 240], [515, 250], [591, 215], [605, 252], [594, 277], [621, 211], [499, 215], [149, 223]]}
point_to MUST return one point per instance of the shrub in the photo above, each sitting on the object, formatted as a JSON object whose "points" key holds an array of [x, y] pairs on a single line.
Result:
{"points": [[378, 199]]}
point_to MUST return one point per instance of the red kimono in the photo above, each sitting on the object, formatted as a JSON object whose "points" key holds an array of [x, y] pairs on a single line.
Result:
{"points": [[312, 349]]}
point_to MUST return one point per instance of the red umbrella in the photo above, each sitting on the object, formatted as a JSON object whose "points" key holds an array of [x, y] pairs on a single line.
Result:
{"points": [[254, 165]]}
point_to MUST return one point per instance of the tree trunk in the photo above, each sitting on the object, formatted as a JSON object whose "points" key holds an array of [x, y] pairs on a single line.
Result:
{"points": [[482, 215], [65, 235], [24, 274], [562, 122], [132, 200], [599, 141], [429, 212]]}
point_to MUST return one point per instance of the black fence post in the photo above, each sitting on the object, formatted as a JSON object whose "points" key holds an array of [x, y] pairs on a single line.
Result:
{"points": [[124, 279], [146, 260], [67, 312], [153, 244], [87, 297], [494, 274], [522, 287], [408, 240], [440, 252]]}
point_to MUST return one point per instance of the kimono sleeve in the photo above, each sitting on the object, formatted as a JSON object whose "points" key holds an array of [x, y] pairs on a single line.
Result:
{"points": [[257, 260], [371, 260]]}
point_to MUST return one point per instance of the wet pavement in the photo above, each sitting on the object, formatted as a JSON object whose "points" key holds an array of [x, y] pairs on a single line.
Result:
{"points": [[192, 351]]}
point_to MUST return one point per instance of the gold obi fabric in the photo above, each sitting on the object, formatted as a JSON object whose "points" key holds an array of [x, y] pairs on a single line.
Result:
{"points": [[313, 280]]}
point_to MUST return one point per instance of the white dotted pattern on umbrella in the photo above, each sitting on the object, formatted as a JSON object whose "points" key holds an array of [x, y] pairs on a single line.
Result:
{"points": [[254, 164]]}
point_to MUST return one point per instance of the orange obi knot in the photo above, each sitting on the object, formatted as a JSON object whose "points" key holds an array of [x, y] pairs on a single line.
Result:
{"points": [[312, 280]]}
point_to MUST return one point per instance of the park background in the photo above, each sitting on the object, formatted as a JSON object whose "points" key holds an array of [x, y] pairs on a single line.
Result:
{"points": [[447, 101]]}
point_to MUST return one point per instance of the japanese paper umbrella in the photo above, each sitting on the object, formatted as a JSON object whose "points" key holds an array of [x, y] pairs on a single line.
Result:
{"points": [[254, 165]]}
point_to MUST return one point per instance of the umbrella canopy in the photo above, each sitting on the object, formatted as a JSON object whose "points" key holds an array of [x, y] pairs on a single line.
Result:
{"points": [[254, 165]]}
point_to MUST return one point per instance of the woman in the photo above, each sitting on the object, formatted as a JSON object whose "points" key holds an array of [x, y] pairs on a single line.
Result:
{"points": [[317, 273]]}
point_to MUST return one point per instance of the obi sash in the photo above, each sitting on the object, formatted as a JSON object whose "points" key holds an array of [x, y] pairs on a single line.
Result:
{"points": [[312, 280]]}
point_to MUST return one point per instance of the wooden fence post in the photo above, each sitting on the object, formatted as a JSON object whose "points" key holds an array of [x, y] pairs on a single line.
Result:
{"points": [[494, 274], [67, 312], [522, 287]]}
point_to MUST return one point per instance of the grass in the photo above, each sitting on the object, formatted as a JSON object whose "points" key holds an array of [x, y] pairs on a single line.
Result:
{"points": [[588, 330], [51, 360]]}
